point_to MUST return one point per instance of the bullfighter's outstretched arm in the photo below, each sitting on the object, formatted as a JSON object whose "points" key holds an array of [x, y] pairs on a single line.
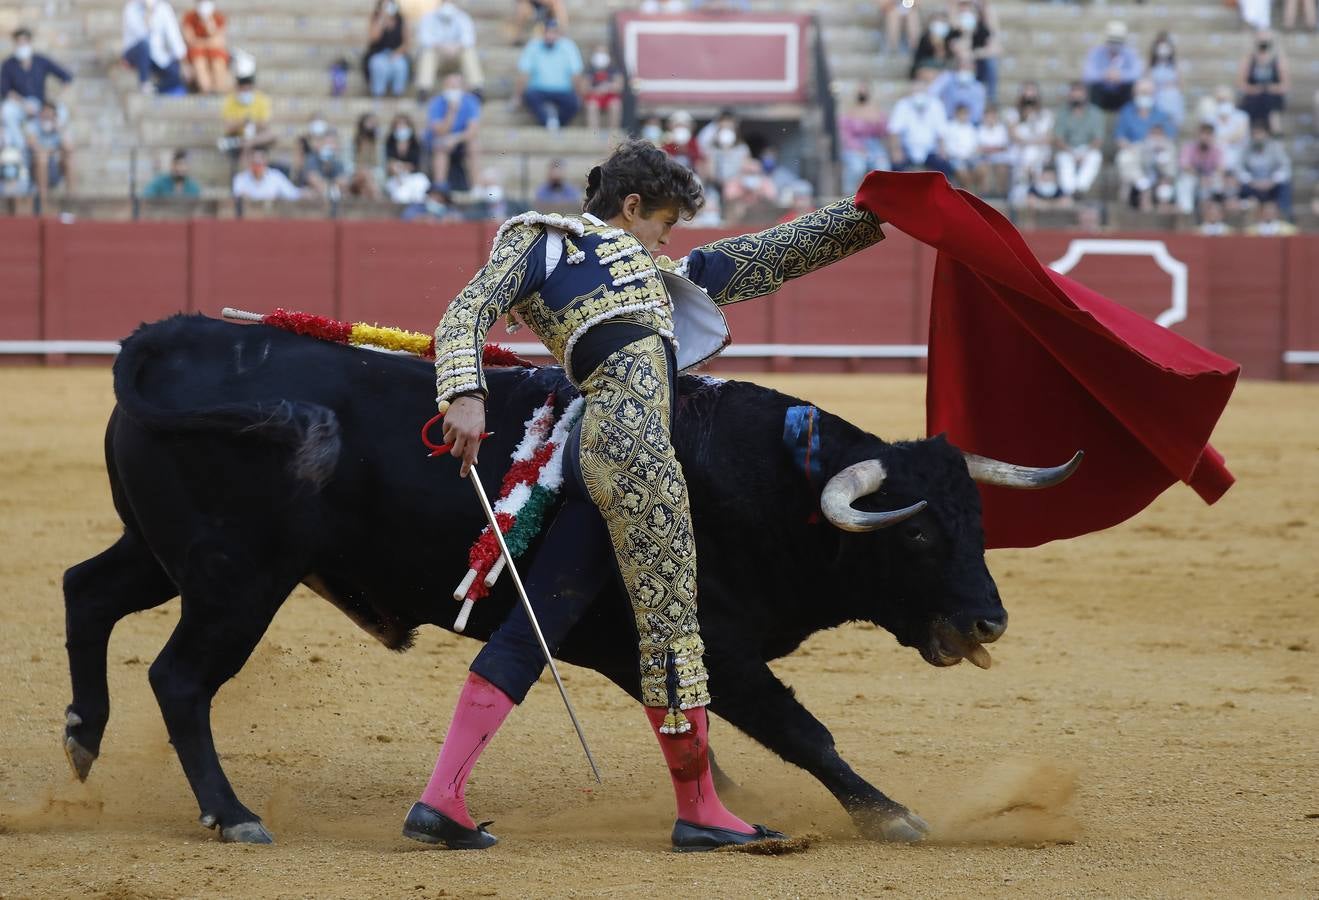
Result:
{"points": [[753, 265], [516, 269]]}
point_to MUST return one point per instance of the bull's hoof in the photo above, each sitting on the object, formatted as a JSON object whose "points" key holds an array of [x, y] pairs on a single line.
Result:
{"points": [[79, 757], [895, 824], [246, 833]]}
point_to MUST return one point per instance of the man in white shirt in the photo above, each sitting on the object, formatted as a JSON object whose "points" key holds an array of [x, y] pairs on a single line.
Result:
{"points": [[961, 144], [153, 44], [446, 40], [915, 128], [260, 182]]}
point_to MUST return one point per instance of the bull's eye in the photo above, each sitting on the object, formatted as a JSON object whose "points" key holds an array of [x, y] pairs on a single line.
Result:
{"points": [[914, 534]]}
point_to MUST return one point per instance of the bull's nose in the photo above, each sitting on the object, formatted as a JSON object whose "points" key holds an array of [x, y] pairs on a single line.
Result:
{"points": [[988, 629]]}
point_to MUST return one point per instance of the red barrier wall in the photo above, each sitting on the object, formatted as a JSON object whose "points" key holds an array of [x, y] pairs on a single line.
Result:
{"points": [[1248, 298]]}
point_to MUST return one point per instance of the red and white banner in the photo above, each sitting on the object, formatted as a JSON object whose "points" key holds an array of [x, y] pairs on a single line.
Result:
{"points": [[714, 60]]}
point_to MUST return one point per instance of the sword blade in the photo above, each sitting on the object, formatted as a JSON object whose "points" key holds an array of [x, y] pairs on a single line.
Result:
{"points": [[475, 479]]}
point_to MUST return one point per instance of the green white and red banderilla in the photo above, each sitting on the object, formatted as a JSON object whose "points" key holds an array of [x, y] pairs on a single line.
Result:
{"points": [[360, 334]]}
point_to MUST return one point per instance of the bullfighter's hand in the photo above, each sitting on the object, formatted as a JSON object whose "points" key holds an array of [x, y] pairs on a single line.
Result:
{"points": [[463, 424]]}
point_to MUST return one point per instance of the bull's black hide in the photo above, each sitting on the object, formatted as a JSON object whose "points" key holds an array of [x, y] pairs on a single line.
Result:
{"points": [[244, 460]]}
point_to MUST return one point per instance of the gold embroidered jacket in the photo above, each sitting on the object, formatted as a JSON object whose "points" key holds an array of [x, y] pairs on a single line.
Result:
{"points": [[564, 274]]}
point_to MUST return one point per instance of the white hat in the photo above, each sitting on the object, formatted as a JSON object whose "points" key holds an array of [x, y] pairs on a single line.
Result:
{"points": [[244, 64], [1116, 30]]}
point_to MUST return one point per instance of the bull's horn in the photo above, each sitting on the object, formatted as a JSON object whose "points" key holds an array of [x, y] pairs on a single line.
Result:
{"points": [[855, 482], [990, 471]]}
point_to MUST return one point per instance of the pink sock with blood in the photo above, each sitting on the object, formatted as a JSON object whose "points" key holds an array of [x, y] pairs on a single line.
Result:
{"points": [[481, 709], [688, 756]]}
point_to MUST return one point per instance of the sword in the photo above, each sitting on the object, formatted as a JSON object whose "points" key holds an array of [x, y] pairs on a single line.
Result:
{"points": [[475, 479]]}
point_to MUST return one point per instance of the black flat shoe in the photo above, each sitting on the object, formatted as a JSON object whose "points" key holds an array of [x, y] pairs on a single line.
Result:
{"points": [[689, 838], [430, 826]]}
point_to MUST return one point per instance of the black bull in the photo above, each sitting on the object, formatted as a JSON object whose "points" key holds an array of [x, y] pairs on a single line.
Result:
{"points": [[244, 460]]}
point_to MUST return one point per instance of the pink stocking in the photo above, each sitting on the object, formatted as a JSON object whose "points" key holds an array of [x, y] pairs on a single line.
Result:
{"points": [[481, 709], [688, 757]]}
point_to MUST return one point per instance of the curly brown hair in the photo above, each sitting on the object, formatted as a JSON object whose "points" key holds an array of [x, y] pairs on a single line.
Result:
{"points": [[639, 167]]}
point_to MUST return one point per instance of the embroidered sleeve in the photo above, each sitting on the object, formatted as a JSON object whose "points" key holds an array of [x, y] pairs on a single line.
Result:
{"points": [[516, 266], [753, 265]]}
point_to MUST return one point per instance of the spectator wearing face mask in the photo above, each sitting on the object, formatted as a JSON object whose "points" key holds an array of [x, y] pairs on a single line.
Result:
{"points": [[555, 191], [750, 194], [1201, 170], [258, 181], [932, 51], [1078, 140], [175, 183], [153, 45], [319, 166], [246, 116], [722, 148], [387, 51], [205, 31], [1111, 69], [652, 129], [915, 128], [1212, 219], [977, 24], [1032, 133], [680, 143], [51, 152], [995, 153], [1264, 81], [402, 147], [604, 90], [368, 158], [1148, 168], [862, 131], [23, 85], [1231, 127], [548, 74], [961, 146], [960, 88], [1165, 72], [452, 124], [1269, 222], [1266, 170], [1045, 192], [1137, 118], [446, 40]]}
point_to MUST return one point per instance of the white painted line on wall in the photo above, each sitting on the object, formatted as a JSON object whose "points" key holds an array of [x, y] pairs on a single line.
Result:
{"points": [[1158, 250]]}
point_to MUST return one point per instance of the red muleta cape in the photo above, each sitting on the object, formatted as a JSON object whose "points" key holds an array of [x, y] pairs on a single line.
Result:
{"points": [[1028, 366]]}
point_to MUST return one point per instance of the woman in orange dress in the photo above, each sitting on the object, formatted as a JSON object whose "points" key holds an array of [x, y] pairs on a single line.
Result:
{"points": [[204, 31]]}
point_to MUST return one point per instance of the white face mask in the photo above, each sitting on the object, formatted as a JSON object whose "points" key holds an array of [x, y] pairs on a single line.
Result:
{"points": [[1163, 51], [726, 137], [318, 127], [23, 52], [1225, 107], [453, 95], [682, 135], [967, 21], [1144, 101], [940, 29], [965, 76], [206, 8], [652, 133], [1047, 188], [402, 134], [919, 101], [600, 60], [245, 98], [1164, 193]]}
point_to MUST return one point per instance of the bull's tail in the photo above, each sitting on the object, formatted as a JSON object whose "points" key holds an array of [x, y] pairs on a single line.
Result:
{"points": [[309, 429]]}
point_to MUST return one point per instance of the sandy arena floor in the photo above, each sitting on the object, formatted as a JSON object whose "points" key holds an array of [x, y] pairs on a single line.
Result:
{"points": [[1149, 728]]}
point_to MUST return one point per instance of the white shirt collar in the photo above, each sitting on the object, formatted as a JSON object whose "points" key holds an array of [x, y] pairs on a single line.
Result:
{"points": [[593, 219]]}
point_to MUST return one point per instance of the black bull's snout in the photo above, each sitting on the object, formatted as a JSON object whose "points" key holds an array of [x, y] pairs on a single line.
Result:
{"points": [[982, 626]]}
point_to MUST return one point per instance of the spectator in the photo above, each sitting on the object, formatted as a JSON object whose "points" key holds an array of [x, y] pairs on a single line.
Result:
{"points": [[489, 199], [1212, 219], [1045, 192], [1201, 170], [368, 154], [652, 129], [533, 16], [995, 153], [1078, 139], [15, 179], [51, 152], [246, 117], [1266, 171], [435, 206], [1032, 133], [402, 147], [406, 186], [1166, 75], [555, 191], [961, 145], [978, 24], [205, 31], [915, 127], [1148, 167], [446, 41], [548, 72], [750, 193], [960, 88], [153, 45], [23, 86], [387, 51], [319, 165], [1231, 127], [862, 131], [932, 49], [721, 149], [259, 181], [902, 25], [679, 141], [604, 90], [1268, 222], [1111, 69], [1264, 81], [1137, 118], [787, 180], [452, 123], [1258, 14], [174, 183], [1306, 10]]}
